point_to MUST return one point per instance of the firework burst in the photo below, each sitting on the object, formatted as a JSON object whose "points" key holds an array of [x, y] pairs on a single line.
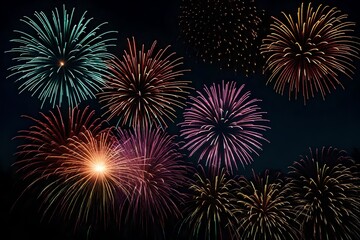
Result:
{"points": [[47, 135], [157, 197], [209, 213], [307, 55], [226, 32], [143, 87], [326, 194], [263, 210], [224, 125], [94, 178], [58, 59]]}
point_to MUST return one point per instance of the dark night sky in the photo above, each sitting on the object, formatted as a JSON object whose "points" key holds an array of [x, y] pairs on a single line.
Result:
{"points": [[294, 127]]}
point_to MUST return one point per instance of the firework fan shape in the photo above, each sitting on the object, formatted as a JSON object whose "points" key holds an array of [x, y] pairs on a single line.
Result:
{"points": [[223, 125], [226, 32], [58, 59], [209, 213], [94, 178], [264, 209], [157, 196], [143, 87], [326, 194], [308, 54], [46, 136]]}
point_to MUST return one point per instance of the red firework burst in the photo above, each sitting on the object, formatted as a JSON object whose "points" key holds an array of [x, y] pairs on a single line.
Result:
{"points": [[143, 87], [45, 138]]}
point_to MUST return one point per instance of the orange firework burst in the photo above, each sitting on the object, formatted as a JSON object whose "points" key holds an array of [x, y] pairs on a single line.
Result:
{"points": [[95, 177], [307, 55]]}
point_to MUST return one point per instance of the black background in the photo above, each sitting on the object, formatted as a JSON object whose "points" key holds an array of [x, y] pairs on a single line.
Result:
{"points": [[294, 127]]}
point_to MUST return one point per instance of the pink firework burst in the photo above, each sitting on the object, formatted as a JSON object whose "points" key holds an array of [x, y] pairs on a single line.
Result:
{"points": [[157, 196], [144, 87], [224, 125]]}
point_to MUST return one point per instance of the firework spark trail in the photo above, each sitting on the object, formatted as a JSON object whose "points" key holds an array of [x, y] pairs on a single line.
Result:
{"points": [[309, 54], [143, 88], [223, 125], [58, 59]]}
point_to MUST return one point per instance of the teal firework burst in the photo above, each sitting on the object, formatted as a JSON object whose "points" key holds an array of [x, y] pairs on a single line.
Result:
{"points": [[60, 58]]}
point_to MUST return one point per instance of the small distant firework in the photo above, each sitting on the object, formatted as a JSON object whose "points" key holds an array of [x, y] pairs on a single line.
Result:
{"points": [[326, 194], [157, 196], [209, 214], [46, 137], [94, 179], [223, 125], [59, 58], [264, 211], [226, 32], [143, 87], [309, 54]]}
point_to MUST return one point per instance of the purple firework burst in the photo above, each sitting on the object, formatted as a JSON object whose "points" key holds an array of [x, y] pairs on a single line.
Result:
{"points": [[224, 125]]}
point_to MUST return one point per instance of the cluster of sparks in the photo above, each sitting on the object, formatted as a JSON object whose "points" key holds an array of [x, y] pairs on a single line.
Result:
{"points": [[90, 172], [225, 32]]}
